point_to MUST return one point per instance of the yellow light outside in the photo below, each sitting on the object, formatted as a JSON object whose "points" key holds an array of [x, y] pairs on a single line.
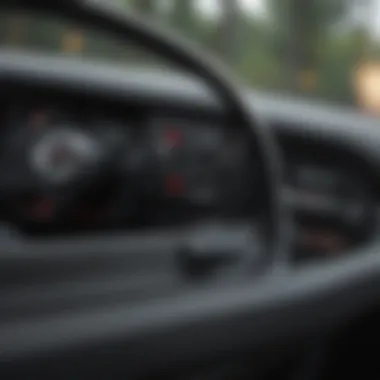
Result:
{"points": [[15, 32], [72, 42], [367, 87], [307, 80]]}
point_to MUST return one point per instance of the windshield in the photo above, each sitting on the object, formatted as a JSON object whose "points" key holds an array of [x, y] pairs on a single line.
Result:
{"points": [[327, 49]]}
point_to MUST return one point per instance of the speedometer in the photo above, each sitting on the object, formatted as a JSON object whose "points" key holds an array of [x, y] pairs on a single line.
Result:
{"points": [[61, 153]]}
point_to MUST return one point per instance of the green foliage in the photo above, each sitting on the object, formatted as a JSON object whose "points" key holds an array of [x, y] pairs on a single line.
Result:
{"points": [[341, 56], [302, 27], [182, 17], [267, 52], [143, 6]]}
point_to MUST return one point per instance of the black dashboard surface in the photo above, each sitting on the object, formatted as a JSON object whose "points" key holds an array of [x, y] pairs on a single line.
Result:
{"points": [[333, 141], [306, 301]]}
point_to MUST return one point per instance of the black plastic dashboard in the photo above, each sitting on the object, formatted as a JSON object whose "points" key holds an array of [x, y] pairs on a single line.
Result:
{"points": [[172, 127], [174, 166], [331, 158]]}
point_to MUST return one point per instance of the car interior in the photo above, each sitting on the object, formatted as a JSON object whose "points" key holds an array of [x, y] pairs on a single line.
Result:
{"points": [[174, 224]]}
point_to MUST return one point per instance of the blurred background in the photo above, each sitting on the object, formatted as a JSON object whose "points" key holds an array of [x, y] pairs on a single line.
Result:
{"points": [[324, 49]]}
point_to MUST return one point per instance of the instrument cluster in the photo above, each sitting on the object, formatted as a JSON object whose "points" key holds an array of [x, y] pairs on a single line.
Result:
{"points": [[128, 171]]}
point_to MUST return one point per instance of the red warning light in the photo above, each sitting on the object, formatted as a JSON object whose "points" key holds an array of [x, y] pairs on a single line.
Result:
{"points": [[37, 119], [42, 209], [174, 185], [173, 137]]}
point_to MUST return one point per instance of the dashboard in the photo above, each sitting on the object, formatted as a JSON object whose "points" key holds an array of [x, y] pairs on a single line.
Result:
{"points": [[171, 169], [181, 162]]}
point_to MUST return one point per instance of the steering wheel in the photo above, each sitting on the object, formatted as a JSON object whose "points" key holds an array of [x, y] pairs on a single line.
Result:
{"points": [[108, 335]]}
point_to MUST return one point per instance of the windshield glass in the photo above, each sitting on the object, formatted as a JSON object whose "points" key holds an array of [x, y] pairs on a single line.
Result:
{"points": [[326, 49]]}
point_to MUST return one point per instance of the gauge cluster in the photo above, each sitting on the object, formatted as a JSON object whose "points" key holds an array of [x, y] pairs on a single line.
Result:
{"points": [[192, 159], [201, 169], [163, 169], [157, 169]]}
